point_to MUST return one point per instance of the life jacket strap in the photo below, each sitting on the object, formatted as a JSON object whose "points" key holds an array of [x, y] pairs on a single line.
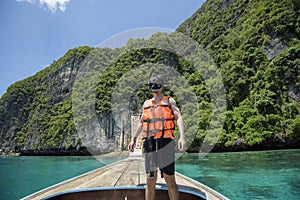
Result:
{"points": [[148, 107], [158, 130], [157, 119]]}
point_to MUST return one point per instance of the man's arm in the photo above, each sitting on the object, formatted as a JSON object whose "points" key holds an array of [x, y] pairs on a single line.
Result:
{"points": [[139, 129], [177, 115], [134, 137]]}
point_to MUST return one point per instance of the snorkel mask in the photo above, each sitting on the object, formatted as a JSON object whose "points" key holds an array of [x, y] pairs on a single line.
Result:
{"points": [[154, 87], [154, 84]]}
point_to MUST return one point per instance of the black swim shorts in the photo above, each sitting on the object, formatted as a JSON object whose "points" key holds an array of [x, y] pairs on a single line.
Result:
{"points": [[159, 153]]}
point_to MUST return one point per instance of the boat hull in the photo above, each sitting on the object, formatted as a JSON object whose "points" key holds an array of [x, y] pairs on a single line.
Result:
{"points": [[125, 192]]}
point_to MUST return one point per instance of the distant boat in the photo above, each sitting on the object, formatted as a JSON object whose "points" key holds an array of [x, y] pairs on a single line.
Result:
{"points": [[124, 179]]}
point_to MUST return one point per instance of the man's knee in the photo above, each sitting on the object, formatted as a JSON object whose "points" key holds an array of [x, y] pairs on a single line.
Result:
{"points": [[170, 181], [151, 181]]}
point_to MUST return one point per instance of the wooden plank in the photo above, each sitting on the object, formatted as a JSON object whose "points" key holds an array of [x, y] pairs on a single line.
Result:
{"points": [[107, 177], [142, 174], [130, 175]]}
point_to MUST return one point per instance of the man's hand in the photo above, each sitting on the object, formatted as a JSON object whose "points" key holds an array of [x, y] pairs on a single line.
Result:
{"points": [[181, 144], [131, 145]]}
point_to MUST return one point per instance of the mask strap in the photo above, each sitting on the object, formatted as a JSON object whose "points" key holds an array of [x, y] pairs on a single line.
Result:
{"points": [[149, 88], [150, 76]]}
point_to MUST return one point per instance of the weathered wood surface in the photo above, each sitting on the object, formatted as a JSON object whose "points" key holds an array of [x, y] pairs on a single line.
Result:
{"points": [[127, 172]]}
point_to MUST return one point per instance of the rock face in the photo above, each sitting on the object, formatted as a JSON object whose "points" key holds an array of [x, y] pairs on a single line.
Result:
{"points": [[25, 105], [273, 48], [255, 45]]}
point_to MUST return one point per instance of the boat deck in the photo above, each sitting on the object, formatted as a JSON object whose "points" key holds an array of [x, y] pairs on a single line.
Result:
{"points": [[127, 172]]}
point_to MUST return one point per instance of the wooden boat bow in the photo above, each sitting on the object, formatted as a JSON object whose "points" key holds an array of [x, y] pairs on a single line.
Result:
{"points": [[123, 178]]}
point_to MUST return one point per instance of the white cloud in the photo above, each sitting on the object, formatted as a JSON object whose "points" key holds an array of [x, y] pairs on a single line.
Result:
{"points": [[52, 5]]}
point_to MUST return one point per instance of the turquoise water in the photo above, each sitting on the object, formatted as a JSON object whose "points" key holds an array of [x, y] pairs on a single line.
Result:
{"points": [[247, 175], [239, 176], [21, 176]]}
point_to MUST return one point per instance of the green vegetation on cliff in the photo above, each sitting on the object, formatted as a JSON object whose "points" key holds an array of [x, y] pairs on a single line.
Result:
{"points": [[36, 112], [254, 43], [256, 46]]}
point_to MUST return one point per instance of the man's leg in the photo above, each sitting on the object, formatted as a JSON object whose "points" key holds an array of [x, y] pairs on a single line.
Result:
{"points": [[172, 187], [151, 165], [150, 188], [166, 157]]}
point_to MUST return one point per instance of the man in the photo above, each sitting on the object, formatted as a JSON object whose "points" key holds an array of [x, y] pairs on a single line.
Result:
{"points": [[158, 124]]}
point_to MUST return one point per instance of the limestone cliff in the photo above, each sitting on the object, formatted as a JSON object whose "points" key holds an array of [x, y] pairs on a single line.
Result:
{"points": [[255, 45], [29, 107]]}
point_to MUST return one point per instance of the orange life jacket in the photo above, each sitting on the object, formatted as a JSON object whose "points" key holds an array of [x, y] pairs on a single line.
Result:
{"points": [[158, 119]]}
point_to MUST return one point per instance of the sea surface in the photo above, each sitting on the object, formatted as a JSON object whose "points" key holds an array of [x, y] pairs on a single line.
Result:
{"points": [[264, 175], [238, 175]]}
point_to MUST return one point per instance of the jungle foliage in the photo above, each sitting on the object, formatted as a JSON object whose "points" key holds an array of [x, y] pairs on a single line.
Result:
{"points": [[255, 45]]}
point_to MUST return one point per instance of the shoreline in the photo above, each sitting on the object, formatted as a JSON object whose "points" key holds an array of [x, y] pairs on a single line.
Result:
{"points": [[125, 153]]}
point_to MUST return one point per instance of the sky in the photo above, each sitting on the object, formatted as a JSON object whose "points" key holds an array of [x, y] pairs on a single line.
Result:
{"points": [[34, 33]]}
